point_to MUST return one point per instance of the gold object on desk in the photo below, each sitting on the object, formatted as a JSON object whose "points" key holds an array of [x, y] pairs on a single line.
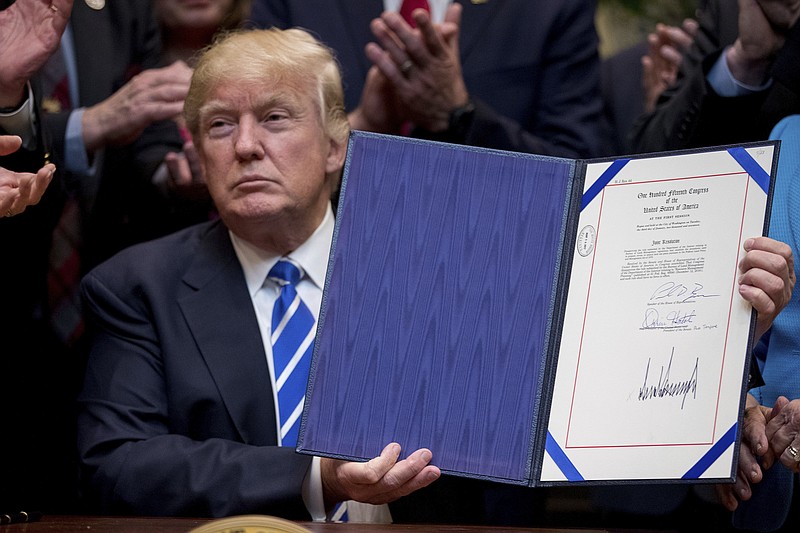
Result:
{"points": [[250, 524]]}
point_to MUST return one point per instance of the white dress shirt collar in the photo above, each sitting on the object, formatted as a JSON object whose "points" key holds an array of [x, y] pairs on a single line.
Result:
{"points": [[312, 255]]}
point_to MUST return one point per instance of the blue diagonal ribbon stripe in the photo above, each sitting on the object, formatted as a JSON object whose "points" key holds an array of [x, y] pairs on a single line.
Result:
{"points": [[712, 454], [750, 166], [602, 181], [561, 460]]}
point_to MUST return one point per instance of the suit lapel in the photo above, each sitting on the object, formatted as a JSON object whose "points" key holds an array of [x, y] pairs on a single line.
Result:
{"points": [[220, 315], [93, 39], [356, 17], [475, 20]]}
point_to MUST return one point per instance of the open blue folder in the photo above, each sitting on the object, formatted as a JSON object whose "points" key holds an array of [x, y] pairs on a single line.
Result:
{"points": [[443, 307]]}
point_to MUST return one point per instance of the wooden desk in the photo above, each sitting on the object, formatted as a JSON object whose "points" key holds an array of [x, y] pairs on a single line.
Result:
{"points": [[105, 524]]}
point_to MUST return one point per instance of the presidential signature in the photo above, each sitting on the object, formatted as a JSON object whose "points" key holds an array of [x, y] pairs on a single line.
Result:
{"points": [[664, 387], [680, 292]]}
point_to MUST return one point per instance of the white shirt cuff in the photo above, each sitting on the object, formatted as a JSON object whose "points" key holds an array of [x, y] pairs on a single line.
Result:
{"points": [[312, 492], [20, 122]]}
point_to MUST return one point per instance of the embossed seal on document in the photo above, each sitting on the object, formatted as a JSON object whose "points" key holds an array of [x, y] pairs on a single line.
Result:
{"points": [[97, 5], [586, 238]]}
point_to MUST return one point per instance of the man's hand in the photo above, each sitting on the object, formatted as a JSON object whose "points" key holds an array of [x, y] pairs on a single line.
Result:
{"points": [[422, 64], [751, 56], [755, 444], [379, 109], [153, 95], [666, 47], [18, 190], [380, 480], [186, 176], [767, 278], [782, 14], [783, 432], [30, 31]]}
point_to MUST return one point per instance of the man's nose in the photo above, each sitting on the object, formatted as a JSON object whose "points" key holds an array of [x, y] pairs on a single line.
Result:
{"points": [[248, 140]]}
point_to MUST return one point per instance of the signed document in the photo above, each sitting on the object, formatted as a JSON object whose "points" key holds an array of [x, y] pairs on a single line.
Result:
{"points": [[655, 335], [538, 320]]}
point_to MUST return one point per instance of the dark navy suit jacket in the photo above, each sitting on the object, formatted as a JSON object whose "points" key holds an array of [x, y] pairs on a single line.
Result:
{"points": [[41, 396], [176, 416], [531, 66]]}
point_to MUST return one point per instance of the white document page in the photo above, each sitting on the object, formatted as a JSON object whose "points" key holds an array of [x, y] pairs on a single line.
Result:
{"points": [[655, 337]]}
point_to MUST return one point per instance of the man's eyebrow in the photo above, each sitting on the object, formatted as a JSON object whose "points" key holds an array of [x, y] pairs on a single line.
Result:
{"points": [[276, 99], [214, 106], [260, 103]]}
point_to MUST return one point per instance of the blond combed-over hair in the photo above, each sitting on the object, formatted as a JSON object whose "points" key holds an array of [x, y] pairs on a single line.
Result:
{"points": [[254, 56]]}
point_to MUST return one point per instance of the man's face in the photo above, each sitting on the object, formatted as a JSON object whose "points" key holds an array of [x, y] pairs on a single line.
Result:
{"points": [[183, 15], [265, 155]]}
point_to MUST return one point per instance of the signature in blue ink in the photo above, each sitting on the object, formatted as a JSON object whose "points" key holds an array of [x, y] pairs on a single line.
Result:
{"points": [[677, 318], [652, 320], [680, 292]]}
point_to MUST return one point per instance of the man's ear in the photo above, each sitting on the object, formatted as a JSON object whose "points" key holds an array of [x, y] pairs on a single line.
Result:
{"points": [[336, 155]]}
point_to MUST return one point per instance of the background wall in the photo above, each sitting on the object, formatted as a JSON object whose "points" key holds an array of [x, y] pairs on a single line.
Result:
{"points": [[622, 23]]}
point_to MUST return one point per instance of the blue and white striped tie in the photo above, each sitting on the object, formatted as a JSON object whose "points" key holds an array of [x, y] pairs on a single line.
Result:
{"points": [[292, 344]]}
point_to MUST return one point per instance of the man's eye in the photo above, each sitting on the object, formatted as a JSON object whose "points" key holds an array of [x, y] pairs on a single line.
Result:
{"points": [[271, 117], [219, 127]]}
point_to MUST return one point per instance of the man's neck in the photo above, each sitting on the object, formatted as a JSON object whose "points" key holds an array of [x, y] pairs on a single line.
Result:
{"points": [[278, 237]]}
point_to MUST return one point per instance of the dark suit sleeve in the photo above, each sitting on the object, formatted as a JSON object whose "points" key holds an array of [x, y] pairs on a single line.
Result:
{"points": [[153, 438], [691, 114], [566, 121]]}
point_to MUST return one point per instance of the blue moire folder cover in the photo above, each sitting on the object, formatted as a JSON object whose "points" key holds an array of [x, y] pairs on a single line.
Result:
{"points": [[436, 313], [443, 314]]}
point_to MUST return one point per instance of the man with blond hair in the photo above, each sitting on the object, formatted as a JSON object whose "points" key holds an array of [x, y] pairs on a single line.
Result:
{"points": [[182, 411]]}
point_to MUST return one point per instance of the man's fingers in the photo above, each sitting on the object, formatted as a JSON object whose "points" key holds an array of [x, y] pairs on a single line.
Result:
{"points": [[389, 46], [671, 55], [384, 479], [155, 111], [422, 479], [193, 159], [8, 196], [767, 277], [764, 290], [691, 27], [790, 457], [748, 465], [766, 244], [741, 487], [40, 183], [432, 39], [177, 73], [408, 38], [408, 468], [19, 190], [171, 94], [679, 37], [404, 477], [387, 66], [780, 403], [725, 495], [377, 467], [178, 168], [9, 144]]}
